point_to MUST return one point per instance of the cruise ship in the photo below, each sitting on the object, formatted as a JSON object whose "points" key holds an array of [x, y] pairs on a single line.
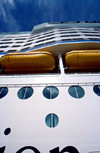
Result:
{"points": [[50, 89]]}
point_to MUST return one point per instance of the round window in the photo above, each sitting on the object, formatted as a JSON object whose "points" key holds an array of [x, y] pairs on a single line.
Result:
{"points": [[50, 92], [51, 120], [3, 92], [76, 91], [25, 92], [7, 131], [96, 89]]}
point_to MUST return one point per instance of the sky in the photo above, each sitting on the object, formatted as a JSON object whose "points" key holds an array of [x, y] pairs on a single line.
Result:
{"points": [[23, 15]]}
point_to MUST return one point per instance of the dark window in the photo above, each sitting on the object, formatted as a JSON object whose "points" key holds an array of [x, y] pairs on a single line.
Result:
{"points": [[50, 38], [92, 35], [25, 92], [65, 39], [97, 35], [16, 46], [77, 38], [34, 36], [50, 42], [65, 35], [85, 31], [74, 35], [94, 32], [3, 46], [3, 92], [19, 41], [94, 38], [31, 37], [50, 92], [51, 120], [72, 32], [96, 89], [76, 91], [6, 42], [9, 37], [41, 37], [89, 32], [7, 131], [6, 39], [67, 30], [1, 51], [40, 40], [49, 35], [27, 44], [13, 50], [30, 40], [25, 48], [63, 32]]}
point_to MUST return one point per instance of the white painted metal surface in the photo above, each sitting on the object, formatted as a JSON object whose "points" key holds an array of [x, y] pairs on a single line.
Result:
{"points": [[78, 118], [79, 123]]}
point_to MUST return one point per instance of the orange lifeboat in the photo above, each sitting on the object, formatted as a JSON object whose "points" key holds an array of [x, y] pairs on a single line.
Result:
{"points": [[82, 60], [30, 62]]}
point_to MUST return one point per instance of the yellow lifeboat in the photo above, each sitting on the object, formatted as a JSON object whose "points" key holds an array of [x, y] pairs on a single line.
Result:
{"points": [[30, 62], [82, 61]]}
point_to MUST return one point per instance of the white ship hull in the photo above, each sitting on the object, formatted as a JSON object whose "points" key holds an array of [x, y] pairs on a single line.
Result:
{"points": [[73, 126]]}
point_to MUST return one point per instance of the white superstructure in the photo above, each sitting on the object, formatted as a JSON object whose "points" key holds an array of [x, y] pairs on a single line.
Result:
{"points": [[55, 112]]}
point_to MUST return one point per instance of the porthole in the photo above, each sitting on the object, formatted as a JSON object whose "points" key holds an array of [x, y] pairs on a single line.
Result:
{"points": [[76, 91], [51, 120], [7, 131], [50, 92], [96, 89], [3, 92], [25, 92]]}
